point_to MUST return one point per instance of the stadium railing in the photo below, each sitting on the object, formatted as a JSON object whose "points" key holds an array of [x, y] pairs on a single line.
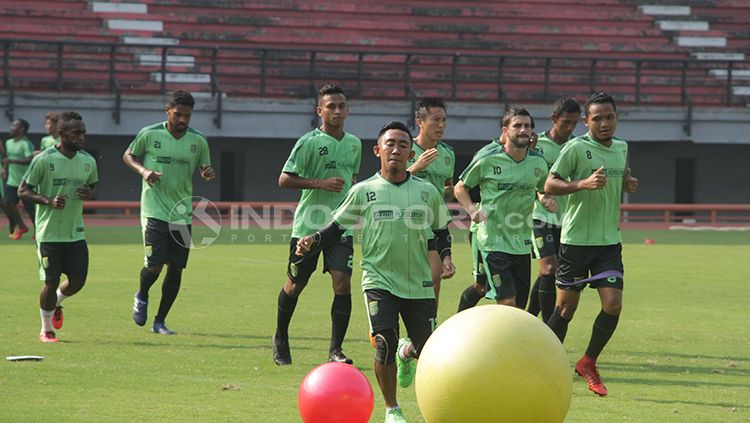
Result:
{"points": [[260, 211], [120, 69]]}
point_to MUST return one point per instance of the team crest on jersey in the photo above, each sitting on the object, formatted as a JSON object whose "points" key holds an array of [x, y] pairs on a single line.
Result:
{"points": [[45, 262], [149, 251], [425, 196], [87, 167], [537, 172], [447, 160], [372, 308], [496, 281], [193, 148]]}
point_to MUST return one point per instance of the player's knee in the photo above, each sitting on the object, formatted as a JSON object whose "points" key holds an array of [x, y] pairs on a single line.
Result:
{"points": [[155, 269], [52, 282], [548, 269], [294, 288], [386, 346], [612, 307], [567, 310]]}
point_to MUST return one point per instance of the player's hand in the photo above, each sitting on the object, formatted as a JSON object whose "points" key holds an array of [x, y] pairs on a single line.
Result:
{"points": [[549, 203], [207, 173], [335, 184], [303, 245], [85, 192], [449, 269], [58, 202], [597, 180], [424, 160], [478, 216], [629, 182], [151, 176]]}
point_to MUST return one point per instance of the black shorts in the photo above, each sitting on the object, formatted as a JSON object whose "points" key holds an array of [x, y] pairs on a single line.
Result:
{"points": [[166, 243], [508, 275], [577, 262], [56, 258], [419, 315], [337, 257], [10, 195], [546, 239]]}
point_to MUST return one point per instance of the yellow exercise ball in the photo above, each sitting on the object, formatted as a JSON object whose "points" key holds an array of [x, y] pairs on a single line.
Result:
{"points": [[493, 363]]}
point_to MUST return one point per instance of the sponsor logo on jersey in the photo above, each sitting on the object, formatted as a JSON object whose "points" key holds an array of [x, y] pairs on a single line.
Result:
{"points": [[163, 159], [59, 181]]}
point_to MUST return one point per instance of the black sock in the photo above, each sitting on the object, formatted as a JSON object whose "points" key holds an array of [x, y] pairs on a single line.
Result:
{"points": [[341, 310], [147, 280], [558, 324], [169, 290], [287, 304], [547, 296], [534, 298], [469, 298], [604, 327]]}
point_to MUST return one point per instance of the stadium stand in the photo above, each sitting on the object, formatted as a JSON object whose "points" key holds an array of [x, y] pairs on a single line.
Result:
{"points": [[529, 51]]}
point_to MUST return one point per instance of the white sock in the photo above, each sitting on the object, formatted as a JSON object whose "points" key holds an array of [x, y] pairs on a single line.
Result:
{"points": [[60, 297], [46, 320], [402, 351], [387, 409]]}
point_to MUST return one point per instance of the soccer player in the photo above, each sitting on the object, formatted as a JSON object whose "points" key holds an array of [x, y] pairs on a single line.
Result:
{"points": [[20, 151], [435, 161], [171, 152], [323, 164], [51, 120], [508, 179], [546, 241], [592, 171], [58, 181], [401, 214]]}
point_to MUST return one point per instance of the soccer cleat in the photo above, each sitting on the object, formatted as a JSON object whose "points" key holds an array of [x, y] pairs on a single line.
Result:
{"points": [[406, 369], [586, 367], [161, 329], [57, 318], [281, 354], [140, 309], [48, 337], [395, 415], [337, 356], [19, 233]]}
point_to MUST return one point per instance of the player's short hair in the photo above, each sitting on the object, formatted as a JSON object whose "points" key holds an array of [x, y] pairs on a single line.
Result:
{"points": [[424, 105], [516, 111], [329, 89], [24, 124], [53, 117], [180, 98], [565, 105], [394, 125], [599, 98], [66, 117]]}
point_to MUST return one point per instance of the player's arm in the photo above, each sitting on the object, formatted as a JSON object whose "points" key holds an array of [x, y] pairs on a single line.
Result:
{"points": [[150, 176], [449, 195], [294, 181], [556, 185], [322, 239], [26, 193], [463, 197]]}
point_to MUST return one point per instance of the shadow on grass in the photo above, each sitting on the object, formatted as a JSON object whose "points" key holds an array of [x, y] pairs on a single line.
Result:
{"points": [[673, 381], [696, 403], [664, 355], [679, 369]]}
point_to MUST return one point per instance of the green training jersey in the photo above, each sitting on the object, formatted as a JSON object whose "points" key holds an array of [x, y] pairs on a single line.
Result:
{"points": [[48, 142], [177, 160], [317, 155], [550, 150], [441, 169], [508, 189], [51, 174], [17, 150], [397, 221], [490, 148], [592, 217]]}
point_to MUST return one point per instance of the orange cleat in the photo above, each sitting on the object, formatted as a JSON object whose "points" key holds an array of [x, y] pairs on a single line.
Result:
{"points": [[586, 368], [57, 318], [19, 233], [48, 337]]}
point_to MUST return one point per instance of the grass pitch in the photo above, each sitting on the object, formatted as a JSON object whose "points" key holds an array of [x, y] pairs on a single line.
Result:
{"points": [[680, 354]]}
